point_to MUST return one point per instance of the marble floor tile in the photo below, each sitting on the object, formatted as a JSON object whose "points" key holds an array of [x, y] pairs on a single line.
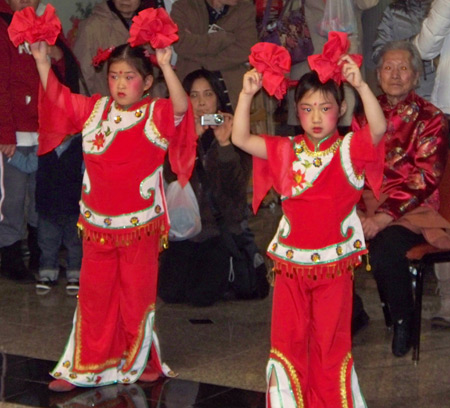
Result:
{"points": [[219, 352]]}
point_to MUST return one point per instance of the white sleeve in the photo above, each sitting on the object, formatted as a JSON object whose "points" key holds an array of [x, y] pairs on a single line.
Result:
{"points": [[434, 30]]}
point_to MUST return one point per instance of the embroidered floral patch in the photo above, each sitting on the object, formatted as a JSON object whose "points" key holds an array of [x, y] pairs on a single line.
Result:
{"points": [[299, 178]]}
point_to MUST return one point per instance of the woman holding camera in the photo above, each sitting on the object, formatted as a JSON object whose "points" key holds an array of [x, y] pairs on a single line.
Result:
{"points": [[197, 270]]}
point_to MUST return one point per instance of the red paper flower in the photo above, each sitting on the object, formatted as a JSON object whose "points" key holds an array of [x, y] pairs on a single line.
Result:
{"points": [[326, 64], [102, 56], [273, 62], [153, 26], [27, 27]]}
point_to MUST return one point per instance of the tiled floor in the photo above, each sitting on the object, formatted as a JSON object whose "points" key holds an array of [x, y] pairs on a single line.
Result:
{"points": [[220, 364]]}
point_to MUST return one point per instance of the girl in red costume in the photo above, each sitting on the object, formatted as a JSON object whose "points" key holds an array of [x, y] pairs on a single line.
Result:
{"points": [[319, 241], [123, 216]]}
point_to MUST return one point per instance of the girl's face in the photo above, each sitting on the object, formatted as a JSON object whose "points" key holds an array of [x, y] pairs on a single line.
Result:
{"points": [[319, 114], [126, 84], [203, 98]]}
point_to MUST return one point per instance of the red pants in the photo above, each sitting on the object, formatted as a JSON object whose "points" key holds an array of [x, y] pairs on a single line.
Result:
{"points": [[117, 291], [311, 342]]}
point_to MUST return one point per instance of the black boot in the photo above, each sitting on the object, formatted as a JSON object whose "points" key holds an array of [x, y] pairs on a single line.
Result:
{"points": [[33, 247], [360, 319], [12, 265], [401, 343]]}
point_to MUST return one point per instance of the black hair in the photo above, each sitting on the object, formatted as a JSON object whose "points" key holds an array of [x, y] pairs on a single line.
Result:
{"points": [[134, 56], [217, 86], [311, 82]]}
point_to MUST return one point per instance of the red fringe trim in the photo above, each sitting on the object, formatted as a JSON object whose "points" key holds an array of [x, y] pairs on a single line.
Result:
{"points": [[322, 271], [125, 237]]}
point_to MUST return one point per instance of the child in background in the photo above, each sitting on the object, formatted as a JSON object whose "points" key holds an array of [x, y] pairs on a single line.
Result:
{"points": [[319, 240], [123, 218], [58, 189]]}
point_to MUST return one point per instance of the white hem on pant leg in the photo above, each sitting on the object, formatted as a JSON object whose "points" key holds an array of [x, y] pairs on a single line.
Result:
{"points": [[111, 375], [281, 395], [358, 399]]}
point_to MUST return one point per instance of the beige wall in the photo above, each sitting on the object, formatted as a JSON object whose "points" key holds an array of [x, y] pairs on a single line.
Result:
{"points": [[67, 8]]}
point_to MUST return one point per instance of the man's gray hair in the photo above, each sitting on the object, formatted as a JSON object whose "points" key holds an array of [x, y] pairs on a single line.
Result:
{"points": [[416, 61]]}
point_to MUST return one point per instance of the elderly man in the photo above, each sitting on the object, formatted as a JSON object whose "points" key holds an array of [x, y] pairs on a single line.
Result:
{"points": [[415, 157]]}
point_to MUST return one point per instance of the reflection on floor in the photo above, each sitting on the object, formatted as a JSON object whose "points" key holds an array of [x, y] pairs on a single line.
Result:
{"points": [[220, 363]]}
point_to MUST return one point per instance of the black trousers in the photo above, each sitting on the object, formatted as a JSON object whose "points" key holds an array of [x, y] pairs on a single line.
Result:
{"points": [[387, 254], [194, 272]]}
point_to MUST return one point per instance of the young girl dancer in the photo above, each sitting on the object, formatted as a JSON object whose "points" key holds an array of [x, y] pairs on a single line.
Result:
{"points": [[319, 240], [123, 216]]}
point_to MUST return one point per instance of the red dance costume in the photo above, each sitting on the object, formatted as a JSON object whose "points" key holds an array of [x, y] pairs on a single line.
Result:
{"points": [[318, 243], [123, 220]]}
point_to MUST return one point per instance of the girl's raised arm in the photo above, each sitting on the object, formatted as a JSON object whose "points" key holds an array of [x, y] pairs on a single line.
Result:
{"points": [[241, 136], [40, 53], [176, 92], [374, 113]]}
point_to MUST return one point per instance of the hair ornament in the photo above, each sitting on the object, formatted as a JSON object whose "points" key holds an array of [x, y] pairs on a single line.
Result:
{"points": [[274, 63], [26, 26], [102, 56], [153, 26], [326, 64]]}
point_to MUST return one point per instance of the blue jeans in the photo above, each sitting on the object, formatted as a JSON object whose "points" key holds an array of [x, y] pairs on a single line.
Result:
{"points": [[54, 231]]}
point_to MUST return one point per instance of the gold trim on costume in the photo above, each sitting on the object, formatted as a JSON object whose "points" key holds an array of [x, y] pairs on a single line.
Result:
{"points": [[292, 374], [331, 149], [343, 378], [130, 355]]}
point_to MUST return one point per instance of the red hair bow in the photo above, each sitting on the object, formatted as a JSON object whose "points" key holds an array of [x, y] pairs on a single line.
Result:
{"points": [[26, 26], [326, 64], [102, 56], [153, 26], [273, 62]]}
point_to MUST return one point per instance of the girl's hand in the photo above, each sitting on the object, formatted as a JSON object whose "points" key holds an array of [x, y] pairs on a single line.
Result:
{"points": [[252, 82], [40, 51], [351, 71], [223, 132], [163, 56]]}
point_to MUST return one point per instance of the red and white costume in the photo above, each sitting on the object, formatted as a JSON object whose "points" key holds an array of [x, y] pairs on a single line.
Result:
{"points": [[318, 243], [123, 219]]}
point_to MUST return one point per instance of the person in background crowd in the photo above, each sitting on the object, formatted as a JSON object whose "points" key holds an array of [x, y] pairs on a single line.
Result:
{"points": [[216, 35], [18, 132], [401, 20], [434, 41], [415, 157], [197, 270], [107, 26]]}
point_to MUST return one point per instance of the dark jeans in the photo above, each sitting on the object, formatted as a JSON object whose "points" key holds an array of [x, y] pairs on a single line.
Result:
{"points": [[52, 233], [387, 254], [194, 272]]}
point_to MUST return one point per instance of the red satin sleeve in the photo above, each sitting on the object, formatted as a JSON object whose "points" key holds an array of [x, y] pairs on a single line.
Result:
{"points": [[182, 138], [274, 172], [367, 158], [61, 113]]}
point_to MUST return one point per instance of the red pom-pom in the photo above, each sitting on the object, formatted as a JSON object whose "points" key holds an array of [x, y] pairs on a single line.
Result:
{"points": [[27, 27], [153, 26], [273, 62]]}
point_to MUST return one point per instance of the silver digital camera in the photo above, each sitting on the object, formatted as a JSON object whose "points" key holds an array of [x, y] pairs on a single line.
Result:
{"points": [[211, 119]]}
